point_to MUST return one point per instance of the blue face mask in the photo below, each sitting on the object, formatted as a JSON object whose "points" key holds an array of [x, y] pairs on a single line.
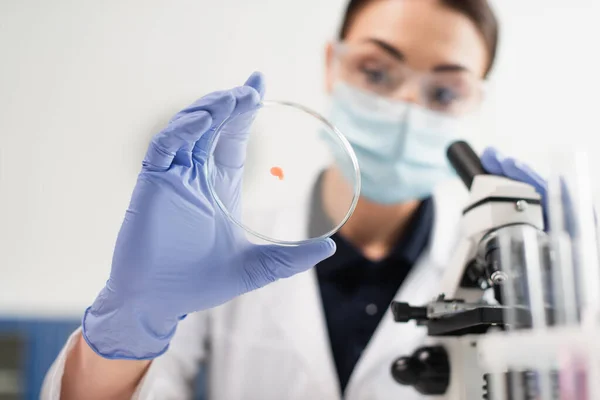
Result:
{"points": [[400, 147]]}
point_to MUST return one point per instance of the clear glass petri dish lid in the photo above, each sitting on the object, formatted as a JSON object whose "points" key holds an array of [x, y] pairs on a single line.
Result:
{"points": [[283, 173]]}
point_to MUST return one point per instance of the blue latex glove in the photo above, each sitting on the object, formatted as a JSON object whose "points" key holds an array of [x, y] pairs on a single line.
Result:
{"points": [[176, 253], [495, 163]]}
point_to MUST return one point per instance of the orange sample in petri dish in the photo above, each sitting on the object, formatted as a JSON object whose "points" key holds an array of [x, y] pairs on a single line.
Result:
{"points": [[278, 172]]}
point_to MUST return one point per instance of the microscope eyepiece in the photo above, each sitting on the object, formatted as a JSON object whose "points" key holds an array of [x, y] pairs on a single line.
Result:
{"points": [[465, 162]]}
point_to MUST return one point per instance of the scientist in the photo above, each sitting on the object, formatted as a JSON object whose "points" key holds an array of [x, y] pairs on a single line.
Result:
{"points": [[182, 288]]}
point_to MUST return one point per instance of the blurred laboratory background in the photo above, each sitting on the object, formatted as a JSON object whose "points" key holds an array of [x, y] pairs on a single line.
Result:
{"points": [[84, 85]]}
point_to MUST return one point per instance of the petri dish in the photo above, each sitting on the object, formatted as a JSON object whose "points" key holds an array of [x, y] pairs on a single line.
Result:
{"points": [[283, 174]]}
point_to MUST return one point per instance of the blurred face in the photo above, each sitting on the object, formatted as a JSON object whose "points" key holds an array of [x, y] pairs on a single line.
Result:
{"points": [[418, 51]]}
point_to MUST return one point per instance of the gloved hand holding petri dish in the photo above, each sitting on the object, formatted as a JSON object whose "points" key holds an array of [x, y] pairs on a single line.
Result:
{"points": [[176, 252], [275, 190]]}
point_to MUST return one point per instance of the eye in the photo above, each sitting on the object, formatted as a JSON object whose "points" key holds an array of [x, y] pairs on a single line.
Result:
{"points": [[374, 76], [443, 96]]}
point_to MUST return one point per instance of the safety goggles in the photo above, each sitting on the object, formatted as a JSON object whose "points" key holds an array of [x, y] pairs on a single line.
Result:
{"points": [[370, 67]]}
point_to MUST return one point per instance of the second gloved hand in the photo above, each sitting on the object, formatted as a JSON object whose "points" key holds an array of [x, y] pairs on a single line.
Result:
{"points": [[495, 163], [176, 253]]}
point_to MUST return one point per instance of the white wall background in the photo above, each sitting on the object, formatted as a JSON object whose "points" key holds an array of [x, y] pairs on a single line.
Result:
{"points": [[84, 84]]}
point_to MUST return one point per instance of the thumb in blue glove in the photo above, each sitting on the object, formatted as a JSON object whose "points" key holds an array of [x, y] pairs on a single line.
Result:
{"points": [[176, 253]]}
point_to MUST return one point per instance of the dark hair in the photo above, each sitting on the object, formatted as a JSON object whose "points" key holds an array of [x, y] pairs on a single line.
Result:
{"points": [[478, 11]]}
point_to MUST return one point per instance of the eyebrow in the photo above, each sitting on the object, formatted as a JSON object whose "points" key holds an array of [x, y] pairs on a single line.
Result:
{"points": [[397, 54], [450, 68], [388, 48]]}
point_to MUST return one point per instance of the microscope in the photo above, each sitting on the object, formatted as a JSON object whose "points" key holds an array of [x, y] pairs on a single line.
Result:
{"points": [[470, 299]]}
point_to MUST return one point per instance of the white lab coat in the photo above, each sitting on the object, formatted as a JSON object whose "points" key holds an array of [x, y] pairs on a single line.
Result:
{"points": [[272, 344]]}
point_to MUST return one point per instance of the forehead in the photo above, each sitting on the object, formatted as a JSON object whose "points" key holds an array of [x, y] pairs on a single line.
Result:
{"points": [[425, 31]]}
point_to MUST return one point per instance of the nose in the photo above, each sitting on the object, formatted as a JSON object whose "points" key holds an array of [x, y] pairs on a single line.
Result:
{"points": [[410, 92]]}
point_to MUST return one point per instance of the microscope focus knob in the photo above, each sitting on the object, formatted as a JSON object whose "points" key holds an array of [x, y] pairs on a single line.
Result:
{"points": [[427, 370], [404, 312]]}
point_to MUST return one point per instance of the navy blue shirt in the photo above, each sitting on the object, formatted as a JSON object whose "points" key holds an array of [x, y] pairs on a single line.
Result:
{"points": [[356, 292]]}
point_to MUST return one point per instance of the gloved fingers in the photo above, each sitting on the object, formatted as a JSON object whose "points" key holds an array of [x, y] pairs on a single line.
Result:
{"points": [[230, 150], [257, 82], [186, 131], [286, 261], [495, 163], [273, 262], [209, 101], [491, 159], [218, 104], [523, 173], [176, 136], [228, 184]]}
